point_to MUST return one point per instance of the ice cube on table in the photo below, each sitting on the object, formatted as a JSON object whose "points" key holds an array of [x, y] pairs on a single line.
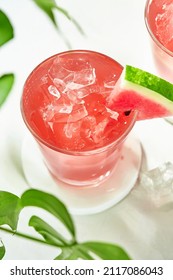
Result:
{"points": [[158, 183], [164, 24]]}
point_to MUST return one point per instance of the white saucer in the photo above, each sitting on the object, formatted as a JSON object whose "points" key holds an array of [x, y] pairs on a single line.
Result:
{"points": [[85, 200]]}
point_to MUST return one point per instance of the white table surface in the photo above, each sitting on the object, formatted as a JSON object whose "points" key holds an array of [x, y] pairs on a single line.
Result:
{"points": [[116, 28]]}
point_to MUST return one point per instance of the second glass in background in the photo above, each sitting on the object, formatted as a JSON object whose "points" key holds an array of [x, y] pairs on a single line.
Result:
{"points": [[159, 23]]}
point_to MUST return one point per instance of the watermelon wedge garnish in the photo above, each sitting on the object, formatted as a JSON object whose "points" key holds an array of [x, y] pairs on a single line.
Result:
{"points": [[138, 90]]}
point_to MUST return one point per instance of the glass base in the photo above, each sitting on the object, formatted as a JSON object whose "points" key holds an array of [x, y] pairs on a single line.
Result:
{"points": [[90, 199]]}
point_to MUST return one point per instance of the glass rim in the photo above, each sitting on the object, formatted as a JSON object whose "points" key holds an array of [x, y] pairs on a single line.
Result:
{"points": [[158, 43], [116, 142]]}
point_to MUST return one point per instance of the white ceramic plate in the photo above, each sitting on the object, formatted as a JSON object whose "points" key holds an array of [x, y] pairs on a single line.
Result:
{"points": [[85, 200]]}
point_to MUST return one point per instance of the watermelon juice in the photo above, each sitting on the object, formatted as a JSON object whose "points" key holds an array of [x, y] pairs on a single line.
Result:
{"points": [[64, 105], [159, 22]]}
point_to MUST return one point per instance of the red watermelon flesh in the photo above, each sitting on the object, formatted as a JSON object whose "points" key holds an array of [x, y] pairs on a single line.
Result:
{"points": [[138, 90]]}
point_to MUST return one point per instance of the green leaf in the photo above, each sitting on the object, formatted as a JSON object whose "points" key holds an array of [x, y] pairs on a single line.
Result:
{"points": [[2, 250], [6, 29], [51, 204], [69, 17], [73, 253], [49, 234], [9, 209], [105, 251], [47, 7], [6, 83], [66, 252], [83, 254]]}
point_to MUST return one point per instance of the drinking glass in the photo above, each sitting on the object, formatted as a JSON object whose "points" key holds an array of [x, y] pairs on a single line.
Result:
{"points": [[68, 163], [157, 23], [158, 17]]}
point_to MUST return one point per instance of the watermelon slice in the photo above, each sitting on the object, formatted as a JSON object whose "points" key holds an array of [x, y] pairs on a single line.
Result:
{"points": [[138, 90]]}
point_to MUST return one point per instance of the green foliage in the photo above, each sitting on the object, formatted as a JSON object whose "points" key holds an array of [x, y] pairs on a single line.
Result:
{"points": [[73, 253], [6, 83], [2, 250], [9, 209], [50, 235], [6, 34], [49, 203], [106, 251], [49, 6], [6, 29], [11, 206]]}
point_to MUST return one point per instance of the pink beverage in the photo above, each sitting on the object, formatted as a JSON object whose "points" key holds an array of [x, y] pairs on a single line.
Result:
{"points": [[64, 105], [159, 22]]}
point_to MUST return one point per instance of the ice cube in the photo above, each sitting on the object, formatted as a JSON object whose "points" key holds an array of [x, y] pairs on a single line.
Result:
{"points": [[88, 126], [72, 129], [85, 91], [47, 89], [60, 84], [47, 112], [54, 91], [72, 74], [80, 79], [65, 108], [85, 77], [73, 86], [79, 112], [164, 24], [82, 93], [57, 70], [158, 183], [72, 96], [98, 133], [110, 84], [56, 109], [113, 114]]}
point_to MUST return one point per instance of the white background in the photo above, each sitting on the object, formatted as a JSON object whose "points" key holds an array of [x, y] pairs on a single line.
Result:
{"points": [[116, 28]]}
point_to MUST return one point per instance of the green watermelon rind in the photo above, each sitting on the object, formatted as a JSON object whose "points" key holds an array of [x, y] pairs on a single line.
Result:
{"points": [[148, 85], [150, 81]]}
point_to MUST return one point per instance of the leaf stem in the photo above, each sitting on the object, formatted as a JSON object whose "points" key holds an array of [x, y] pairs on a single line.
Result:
{"points": [[26, 236]]}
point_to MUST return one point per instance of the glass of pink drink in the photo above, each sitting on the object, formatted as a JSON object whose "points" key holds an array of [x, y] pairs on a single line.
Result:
{"points": [[159, 22], [64, 105]]}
